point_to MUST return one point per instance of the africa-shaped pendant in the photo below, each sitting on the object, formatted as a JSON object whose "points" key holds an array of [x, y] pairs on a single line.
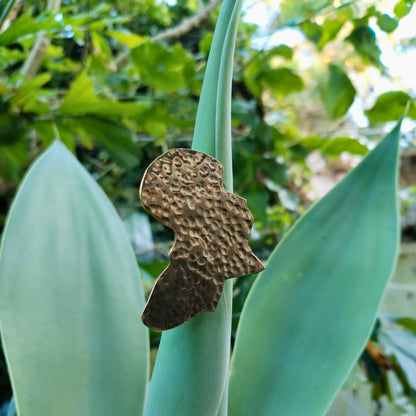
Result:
{"points": [[183, 189]]}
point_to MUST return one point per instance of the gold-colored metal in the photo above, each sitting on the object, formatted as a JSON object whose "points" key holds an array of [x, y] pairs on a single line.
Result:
{"points": [[183, 189]]}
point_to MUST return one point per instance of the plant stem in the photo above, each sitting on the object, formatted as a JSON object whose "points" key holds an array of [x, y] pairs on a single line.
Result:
{"points": [[6, 12]]}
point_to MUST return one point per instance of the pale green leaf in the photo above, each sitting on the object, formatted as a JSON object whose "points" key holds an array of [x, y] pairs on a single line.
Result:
{"points": [[70, 297], [310, 312]]}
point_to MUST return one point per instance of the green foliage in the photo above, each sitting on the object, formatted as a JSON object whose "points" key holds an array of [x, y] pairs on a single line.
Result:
{"points": [[334, 147], [166, 69], [389, 106], [403, 8], [338, 92], [408, 323], [363, 39], [387, 23], [291, 11], [281, 81]]}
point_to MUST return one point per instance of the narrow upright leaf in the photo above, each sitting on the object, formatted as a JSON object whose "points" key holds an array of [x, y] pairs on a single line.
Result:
{"points": [[191, 372], [70, 297], [309, 314]]}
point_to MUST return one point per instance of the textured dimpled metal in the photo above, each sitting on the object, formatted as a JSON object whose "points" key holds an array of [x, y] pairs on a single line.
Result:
{"points": [[183, 189]]}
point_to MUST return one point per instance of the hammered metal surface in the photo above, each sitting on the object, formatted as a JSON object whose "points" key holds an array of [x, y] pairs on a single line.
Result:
{"points": [[183, 189]]}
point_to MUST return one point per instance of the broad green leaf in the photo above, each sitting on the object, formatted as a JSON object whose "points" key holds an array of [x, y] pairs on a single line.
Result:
{"points": [[81, 100], [330, 30], [363, 39], [312, 31], [296, 10], [389, 106], [27, 93], [281, 50], [131, 40], [4, 89], [403, 8], [334, 147], [26, 25], [282, 81], [23, 25], [408, 323], [70, 297], [313, 142], [164, 68], [310, 312], [261, 74], [191, 371], [114, 137], [337, 92], [13, 157]]}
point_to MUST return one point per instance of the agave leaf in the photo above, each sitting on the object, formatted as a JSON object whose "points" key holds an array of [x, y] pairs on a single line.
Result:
{"points": [[310, 312], [70, 297], [191, 371]]}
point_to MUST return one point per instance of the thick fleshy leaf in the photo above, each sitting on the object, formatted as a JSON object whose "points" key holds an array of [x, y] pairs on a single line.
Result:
{"points": [[70, 297], [191, 371], [309, 314]]}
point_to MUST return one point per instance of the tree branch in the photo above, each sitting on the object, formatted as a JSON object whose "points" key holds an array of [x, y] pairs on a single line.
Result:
{"points": [[37, 53], [187, 24]]}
